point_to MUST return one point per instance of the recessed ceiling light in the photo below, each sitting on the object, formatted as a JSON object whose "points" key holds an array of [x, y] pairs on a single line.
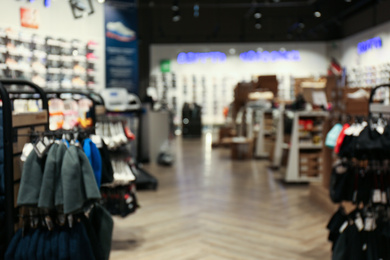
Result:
{"points": [[258, 26], [317, 14], [257, 15]]}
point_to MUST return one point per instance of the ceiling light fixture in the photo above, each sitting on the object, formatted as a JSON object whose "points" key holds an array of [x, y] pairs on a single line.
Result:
{"points": [[258, 25], [176, 16], [176, 11], [317, 13], [101, 1], [257, 14], [196, 10], [175, 6]]}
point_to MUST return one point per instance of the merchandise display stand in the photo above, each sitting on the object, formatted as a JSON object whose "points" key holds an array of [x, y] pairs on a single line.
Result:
{"points": [[301, 166], [262, 116], [117, 102], [144, 180], [257, 115], [278, 151], [16, 127]]}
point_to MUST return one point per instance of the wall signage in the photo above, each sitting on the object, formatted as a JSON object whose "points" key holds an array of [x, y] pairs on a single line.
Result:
{"points": [[249, 56], [29, 18], [165, 66], [194, 57], [374, 43], [121, 24], [265, 56]]}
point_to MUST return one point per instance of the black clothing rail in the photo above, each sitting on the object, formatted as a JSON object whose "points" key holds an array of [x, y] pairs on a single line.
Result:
{"points": [[8, 136], [144, 180]]}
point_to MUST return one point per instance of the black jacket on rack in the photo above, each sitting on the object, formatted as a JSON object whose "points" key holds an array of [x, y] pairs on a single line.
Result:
{"points": [[192, 120]]}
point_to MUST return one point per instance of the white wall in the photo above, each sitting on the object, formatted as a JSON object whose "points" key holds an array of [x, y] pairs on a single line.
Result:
{"points": [[221, 78], [57, 21]]}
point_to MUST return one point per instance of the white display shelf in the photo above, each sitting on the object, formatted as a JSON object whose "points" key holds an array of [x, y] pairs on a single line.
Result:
{"points": [[39, 54], [54, 43], [91, 73], [92, 47], [67, 71], [80, 58], [20, 52], [66, 45], [78, 45], [12, 36], [67, 58], [293, 171], [54, 70], [310, 146], [92, 61], [39, 41], [40, 71], [54, 57]]}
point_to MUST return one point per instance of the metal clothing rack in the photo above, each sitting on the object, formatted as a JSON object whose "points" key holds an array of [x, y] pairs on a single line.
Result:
{"points": [[144, 180], [12, 123]]}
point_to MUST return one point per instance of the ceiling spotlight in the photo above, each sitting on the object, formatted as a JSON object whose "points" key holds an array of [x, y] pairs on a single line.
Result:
{"points": [[257, 14], [176, 16], [101, 1], [258, 25], [196, 10], [317, 14], [175, 6]]}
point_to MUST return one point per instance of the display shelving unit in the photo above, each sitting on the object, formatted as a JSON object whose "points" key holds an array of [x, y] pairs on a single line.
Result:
{"points": [[305, 158]]}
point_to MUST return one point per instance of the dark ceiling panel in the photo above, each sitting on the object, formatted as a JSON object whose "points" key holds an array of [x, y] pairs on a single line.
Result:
{"points": [[232, 20]]}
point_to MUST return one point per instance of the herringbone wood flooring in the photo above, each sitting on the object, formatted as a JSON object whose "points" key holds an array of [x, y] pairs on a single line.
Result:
{"points": [[208, 207]]}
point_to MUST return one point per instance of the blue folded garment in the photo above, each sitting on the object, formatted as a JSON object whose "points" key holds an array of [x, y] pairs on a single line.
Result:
{"points": [[93, 154]]}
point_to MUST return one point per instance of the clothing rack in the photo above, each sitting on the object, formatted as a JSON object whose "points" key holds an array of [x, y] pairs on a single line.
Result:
{"points": [[10, 134], [144, 180], [360, 183]]}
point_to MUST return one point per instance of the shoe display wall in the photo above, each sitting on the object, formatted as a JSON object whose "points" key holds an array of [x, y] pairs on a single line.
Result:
{"points": [[46, 61]]}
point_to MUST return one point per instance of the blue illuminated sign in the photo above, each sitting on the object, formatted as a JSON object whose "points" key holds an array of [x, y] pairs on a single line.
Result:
{"points": [[265, 56], [193, 57], [374, 43]]}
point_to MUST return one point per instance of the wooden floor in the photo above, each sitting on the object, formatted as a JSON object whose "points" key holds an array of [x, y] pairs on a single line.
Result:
{"points": [[208, 207]]}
